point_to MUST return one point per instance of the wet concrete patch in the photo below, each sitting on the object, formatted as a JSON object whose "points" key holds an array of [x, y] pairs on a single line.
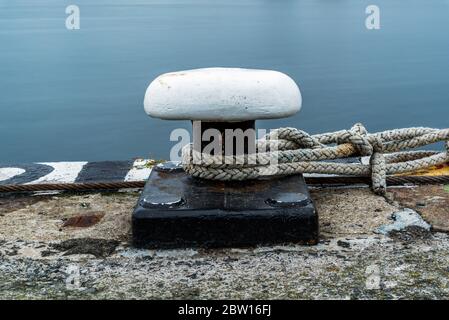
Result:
{"points": [[411, 233], [10, 202], [100, 248]]}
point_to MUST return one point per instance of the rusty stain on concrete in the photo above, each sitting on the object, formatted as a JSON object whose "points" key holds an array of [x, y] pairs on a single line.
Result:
{"points": [[83, 220]]}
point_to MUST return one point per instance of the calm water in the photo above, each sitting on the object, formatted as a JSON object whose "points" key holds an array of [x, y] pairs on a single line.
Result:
{"points": [[77, 95]]}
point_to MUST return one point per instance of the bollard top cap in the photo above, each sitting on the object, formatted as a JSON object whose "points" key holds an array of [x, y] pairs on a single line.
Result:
{"points": [[222, 94]]}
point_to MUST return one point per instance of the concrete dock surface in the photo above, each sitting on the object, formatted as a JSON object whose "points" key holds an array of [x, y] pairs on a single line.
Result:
{"points": [[76, 246]]}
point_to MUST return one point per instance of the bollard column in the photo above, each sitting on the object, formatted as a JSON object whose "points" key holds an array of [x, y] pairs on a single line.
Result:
{"points": [[228, 136]]}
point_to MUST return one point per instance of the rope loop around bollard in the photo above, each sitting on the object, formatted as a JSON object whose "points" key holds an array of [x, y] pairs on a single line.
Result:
{"points": [[287, 151]]}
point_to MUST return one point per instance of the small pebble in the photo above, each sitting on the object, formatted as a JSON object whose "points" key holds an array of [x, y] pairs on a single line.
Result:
{"points": [[420, 204]]}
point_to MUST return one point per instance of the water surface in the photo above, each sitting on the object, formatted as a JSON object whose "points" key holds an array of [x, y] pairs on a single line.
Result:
{"points": [[77, 95]]}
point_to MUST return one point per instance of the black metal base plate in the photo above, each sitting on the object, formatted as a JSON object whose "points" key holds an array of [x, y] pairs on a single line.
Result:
{"points": [[178, 211]]}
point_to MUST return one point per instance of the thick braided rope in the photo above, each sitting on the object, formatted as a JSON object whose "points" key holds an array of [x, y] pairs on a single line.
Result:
{"points": [[287, 151]]}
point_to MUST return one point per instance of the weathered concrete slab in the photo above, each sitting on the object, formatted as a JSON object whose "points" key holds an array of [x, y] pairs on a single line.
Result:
{"points": [[42, 258], [350, 212], [42, 217]]}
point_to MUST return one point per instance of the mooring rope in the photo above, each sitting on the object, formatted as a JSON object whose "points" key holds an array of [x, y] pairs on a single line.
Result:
{"points": [[287, 151]]}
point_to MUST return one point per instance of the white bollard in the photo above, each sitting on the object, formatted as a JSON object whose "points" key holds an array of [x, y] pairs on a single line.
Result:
{"points": [[223, 104]]}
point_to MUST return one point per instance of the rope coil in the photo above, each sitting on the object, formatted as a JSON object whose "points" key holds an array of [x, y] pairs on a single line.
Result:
{"points": [[287, 151]]}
